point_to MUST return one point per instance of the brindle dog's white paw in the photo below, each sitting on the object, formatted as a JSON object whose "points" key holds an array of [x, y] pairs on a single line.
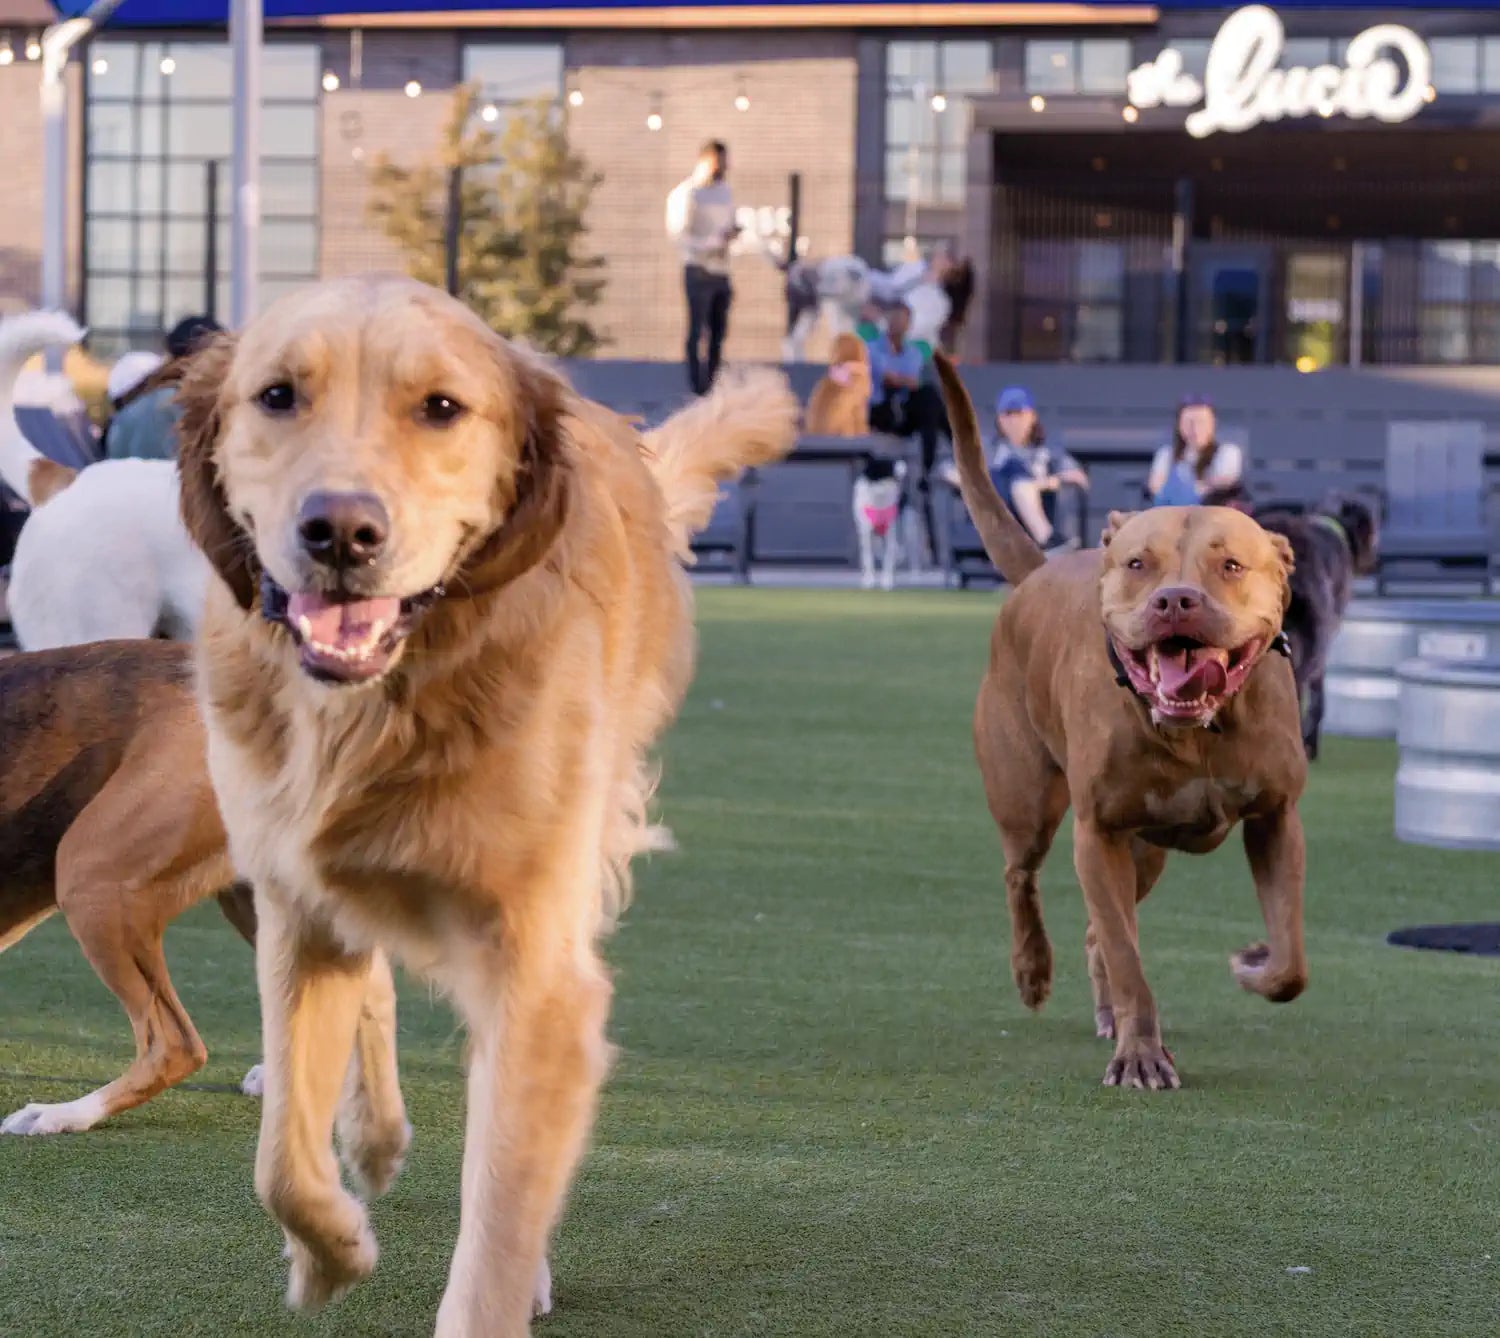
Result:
{"points": [[323, 1275], [541, 1296], [254, 1081], [66, 1117]]}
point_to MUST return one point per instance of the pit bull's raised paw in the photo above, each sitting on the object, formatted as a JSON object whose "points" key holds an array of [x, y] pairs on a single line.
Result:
{"points": [[1252, 969], [319, 1278], [1144, 1065]]}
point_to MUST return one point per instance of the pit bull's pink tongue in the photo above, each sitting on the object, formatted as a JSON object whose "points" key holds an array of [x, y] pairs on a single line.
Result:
{"points": [[1190, 675], [343, 626]]}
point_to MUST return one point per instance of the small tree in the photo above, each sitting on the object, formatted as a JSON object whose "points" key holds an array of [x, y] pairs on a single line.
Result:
{"points": [[523, 196]]}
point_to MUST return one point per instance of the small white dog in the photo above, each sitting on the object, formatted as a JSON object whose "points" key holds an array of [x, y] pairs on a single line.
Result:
{"points": [[879, 495], [103, 553]]}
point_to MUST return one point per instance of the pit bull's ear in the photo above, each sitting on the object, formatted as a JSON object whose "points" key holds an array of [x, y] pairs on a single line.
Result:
{"points": [[1116, 522], [1282, 547], [205, 509]]}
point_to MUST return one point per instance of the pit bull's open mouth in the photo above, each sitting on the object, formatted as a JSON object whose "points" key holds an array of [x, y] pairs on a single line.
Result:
{"points": [[1184, 679], [341, 639]]}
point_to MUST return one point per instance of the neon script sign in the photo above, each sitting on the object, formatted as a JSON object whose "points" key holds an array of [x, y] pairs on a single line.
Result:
{"points": [[1243, 86]]}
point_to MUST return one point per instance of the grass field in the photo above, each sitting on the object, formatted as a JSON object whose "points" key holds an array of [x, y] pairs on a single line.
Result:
{"points": [[831, 1115]]}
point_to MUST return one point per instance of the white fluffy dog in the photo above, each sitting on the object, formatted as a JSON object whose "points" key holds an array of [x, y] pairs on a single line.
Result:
{"points": [[103, 553], [878, 496]]}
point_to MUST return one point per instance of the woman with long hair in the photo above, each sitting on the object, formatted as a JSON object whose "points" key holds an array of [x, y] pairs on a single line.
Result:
{"points": [[1197, 463]]}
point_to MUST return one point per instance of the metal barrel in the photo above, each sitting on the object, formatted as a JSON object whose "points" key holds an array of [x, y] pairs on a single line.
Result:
{"points": [[1448, 776], [1377, 635]]}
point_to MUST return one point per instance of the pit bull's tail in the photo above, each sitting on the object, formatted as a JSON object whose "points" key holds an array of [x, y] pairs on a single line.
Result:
{"points": [[1013, 551]]}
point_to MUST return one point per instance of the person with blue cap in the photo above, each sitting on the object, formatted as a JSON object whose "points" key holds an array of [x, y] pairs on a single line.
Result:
{"points": [[1196, 464], [1060, 479]]}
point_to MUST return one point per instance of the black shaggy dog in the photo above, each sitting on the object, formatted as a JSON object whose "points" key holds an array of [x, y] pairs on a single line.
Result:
{"points": [[1334, 542]]}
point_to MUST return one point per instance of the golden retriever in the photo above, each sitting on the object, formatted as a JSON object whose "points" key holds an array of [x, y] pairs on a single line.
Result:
{"points": [[450, 619], [840, 403]]}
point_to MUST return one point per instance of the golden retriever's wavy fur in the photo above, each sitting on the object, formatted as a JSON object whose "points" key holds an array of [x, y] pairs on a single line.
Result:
{"points": [[474, 810]]}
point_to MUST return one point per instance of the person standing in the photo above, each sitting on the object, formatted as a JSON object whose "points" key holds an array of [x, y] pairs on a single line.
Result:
{"points": [[700, 221]]}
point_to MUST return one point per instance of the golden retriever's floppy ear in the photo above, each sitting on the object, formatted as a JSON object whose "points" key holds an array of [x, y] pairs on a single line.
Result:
{"points": [[205, 509], [1116, 522], [538, 508]]}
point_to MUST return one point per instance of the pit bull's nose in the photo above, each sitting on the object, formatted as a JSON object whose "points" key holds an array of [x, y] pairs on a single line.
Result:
{"points": [[343, 529], [1175, 602]]}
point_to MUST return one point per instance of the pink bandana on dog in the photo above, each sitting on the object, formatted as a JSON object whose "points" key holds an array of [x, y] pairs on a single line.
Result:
{"points": [[881, 518]]}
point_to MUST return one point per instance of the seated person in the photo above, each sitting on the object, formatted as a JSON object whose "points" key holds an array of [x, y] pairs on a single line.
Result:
{"points": [[1019, 491], [1060, 478], [1196, 463], [144, 425]]}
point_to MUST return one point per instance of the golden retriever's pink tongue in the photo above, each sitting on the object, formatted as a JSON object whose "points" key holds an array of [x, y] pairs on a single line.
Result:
{"points": [[1188, 675], [341, 625]]}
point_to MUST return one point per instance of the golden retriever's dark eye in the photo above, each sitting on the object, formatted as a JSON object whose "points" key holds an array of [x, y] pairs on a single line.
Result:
{"points": [[279, 397], [1136, 564], [440, 410], [1232, 567]]}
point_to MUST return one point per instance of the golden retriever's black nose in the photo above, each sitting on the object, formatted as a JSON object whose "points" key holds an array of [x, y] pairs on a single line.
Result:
{"points": [[1176, 601], [343, 529]]}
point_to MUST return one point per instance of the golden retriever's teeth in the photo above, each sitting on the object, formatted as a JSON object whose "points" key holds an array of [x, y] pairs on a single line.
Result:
{"points": [[304, 628]]}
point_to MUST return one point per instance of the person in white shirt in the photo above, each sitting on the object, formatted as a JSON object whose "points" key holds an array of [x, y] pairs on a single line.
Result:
{"points": [[1196, 463], [700, 222]]}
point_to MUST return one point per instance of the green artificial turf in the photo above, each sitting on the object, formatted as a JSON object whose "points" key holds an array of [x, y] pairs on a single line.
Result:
{"points": [[831, 1115]]}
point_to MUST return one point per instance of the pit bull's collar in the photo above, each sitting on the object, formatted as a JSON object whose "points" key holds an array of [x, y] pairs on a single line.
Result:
{"points": [[1279, 643]]}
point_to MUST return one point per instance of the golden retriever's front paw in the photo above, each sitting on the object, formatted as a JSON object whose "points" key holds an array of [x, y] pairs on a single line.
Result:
{"points": [[1252, 968], [324, 1273], [1142, 1064], [541, 1296]]}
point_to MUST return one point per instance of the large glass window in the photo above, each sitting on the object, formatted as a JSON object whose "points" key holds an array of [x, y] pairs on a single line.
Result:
{"points": [[1096, 66], [1458, 301], [158, 114], [1455, 64], [1071, 304], [927, 85]]}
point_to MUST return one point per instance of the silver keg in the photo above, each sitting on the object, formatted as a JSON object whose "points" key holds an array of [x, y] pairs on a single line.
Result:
{"points": [[1378, 634], [1448, 734]]}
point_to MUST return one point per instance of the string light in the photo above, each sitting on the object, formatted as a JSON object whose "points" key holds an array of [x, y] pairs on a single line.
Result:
{"points": [[413, 88], [1131, 115], [7, 53], [100, 66], [741, 98], [939, 103], [33, 49], [1038, 102], [575, 97], [168, 65], [653, 120], [330, 82], [1429, 94], [490, 113]]}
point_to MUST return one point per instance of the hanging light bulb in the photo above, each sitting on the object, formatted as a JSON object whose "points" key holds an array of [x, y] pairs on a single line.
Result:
{"points": [[741, 97], [7, 53], [489, 112], [33, 48], [330, 82], [100, 66], [575, 97], [1038, 102], [939, 103], [653, 119], [413, 88], [168, 65], [1131, 115]]}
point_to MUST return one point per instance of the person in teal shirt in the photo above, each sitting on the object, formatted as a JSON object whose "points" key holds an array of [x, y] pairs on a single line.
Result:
{"points": [[144, 426]]}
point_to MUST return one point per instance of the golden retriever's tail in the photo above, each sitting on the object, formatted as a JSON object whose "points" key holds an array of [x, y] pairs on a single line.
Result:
{"points": [[24, 468], [1013, 551], [749, 418]]}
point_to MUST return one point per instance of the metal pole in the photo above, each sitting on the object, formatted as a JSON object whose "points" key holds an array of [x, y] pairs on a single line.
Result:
{"points": [[211, 239], [1356, 304], [453, 229], [57, 42], [794, 216], [1182, 241], [245, 23]]}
